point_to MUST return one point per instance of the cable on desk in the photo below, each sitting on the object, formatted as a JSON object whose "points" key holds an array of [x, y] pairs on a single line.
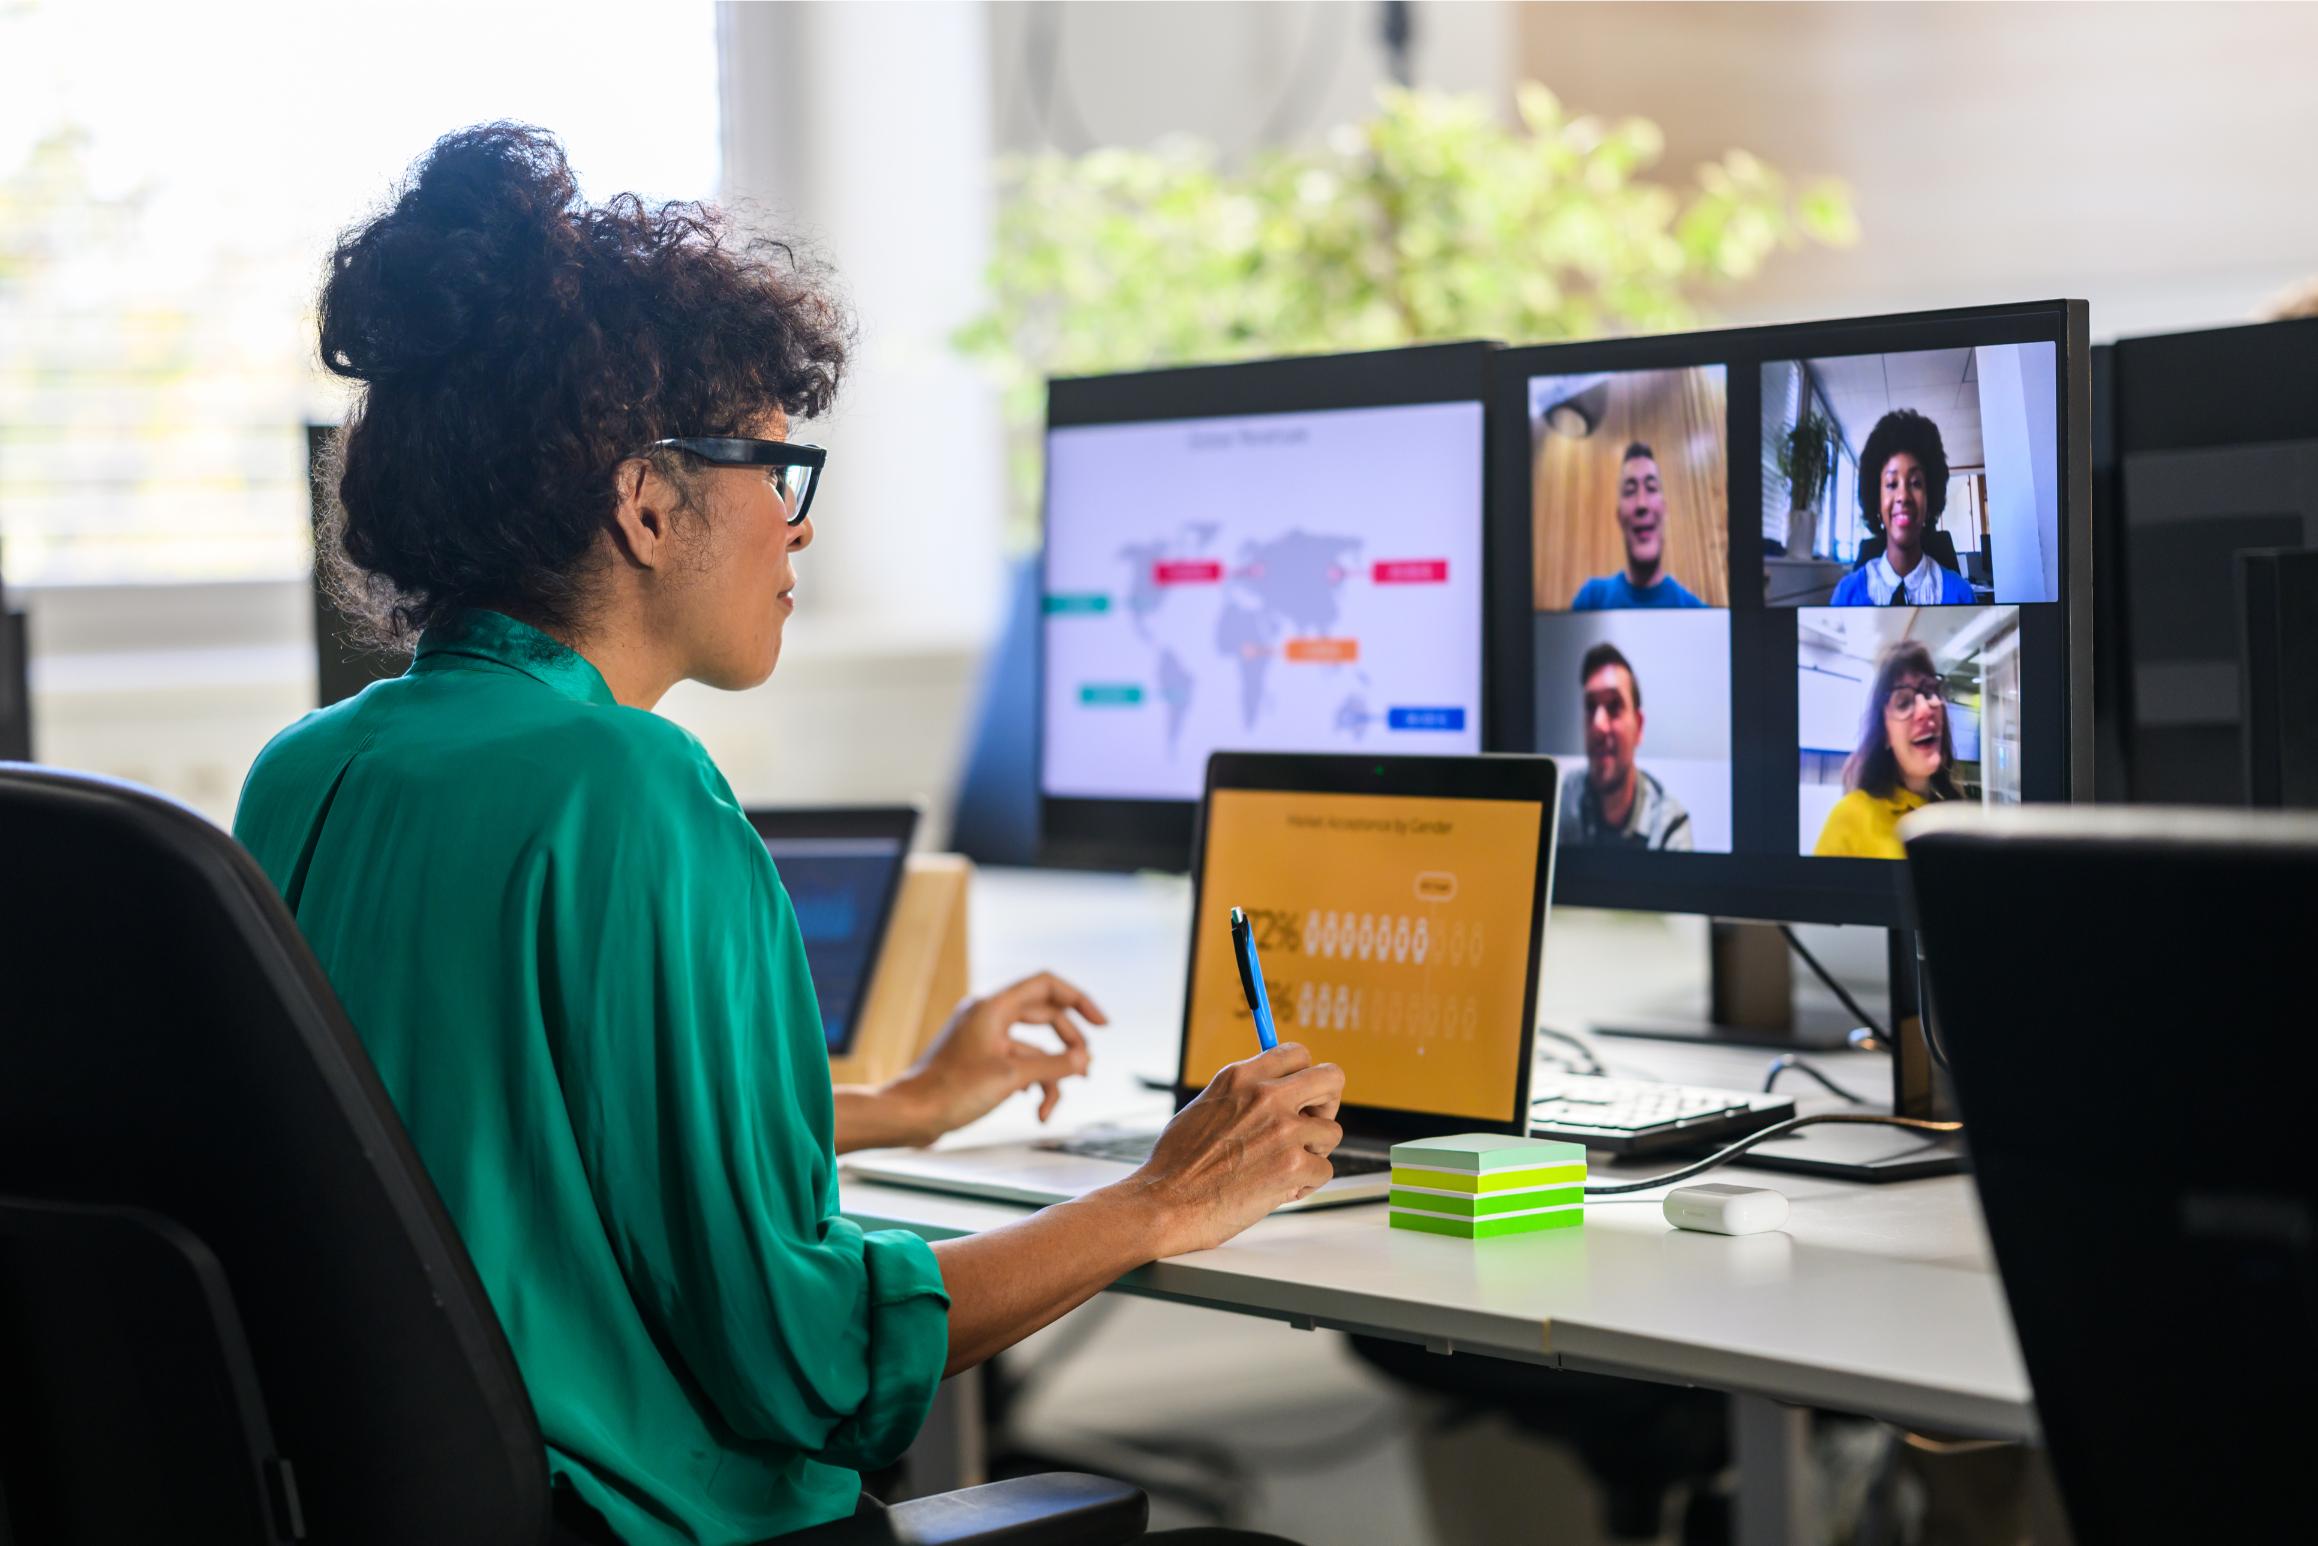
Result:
{"points": [[1833, 986], [1787, 1060], [1778, 1130], [1593, 1064]]}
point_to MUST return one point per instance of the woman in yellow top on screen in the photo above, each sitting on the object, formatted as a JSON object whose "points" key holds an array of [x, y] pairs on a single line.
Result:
{"points": [[1903, 491], [1903, 761]]}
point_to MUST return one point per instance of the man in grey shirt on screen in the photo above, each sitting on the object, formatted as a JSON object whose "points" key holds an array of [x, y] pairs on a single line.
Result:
{"points": [[1617, 805]]}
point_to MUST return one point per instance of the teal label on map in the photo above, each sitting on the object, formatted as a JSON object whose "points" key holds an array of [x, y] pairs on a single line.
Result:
{"points": [[1080, 603], [1111, 695]]}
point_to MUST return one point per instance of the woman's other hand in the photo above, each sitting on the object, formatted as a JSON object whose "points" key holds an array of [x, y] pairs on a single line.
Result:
{"points": [[1259, 1135], [977, 1060]]}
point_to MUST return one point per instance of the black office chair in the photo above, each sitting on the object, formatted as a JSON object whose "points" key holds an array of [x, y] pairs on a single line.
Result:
{"points": [[232, 1308], [2119, 994]]}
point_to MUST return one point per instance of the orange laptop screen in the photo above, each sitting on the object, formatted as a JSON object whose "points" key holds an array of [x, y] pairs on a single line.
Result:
{"points": [[1394, 933]]}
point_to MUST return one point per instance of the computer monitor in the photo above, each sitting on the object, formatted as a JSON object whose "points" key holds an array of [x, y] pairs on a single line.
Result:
{"points": [[2211, 450], [842, 867], [1284, 555], [1719, 560], [15, 684]]}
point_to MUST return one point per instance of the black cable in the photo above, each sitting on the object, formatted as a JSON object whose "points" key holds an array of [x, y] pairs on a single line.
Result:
{"points": [[1787, 1060], [1593, 1064], [1833, 986], [1780, 1130], [1397, 31]]}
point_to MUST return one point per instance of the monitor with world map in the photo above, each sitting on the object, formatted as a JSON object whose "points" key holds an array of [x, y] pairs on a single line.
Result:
{"points": [[1284, 555]]}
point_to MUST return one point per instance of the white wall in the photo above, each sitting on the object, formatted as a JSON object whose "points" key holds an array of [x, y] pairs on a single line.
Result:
{"points": [[1239, 74], [2151, 158], [2017, 390]]}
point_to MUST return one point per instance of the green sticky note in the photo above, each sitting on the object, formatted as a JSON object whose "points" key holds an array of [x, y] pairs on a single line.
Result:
{"points": [[1485, 1181], [1487, 1202], [1488, 1229], [1487, 1151]]}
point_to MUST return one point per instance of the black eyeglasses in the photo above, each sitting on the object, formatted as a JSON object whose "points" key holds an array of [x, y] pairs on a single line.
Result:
{"points": [[795, 468], [1907, 695]]}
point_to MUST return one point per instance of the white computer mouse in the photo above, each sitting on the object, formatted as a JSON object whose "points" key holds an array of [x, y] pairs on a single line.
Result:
{"points": [[1726, 1210]]}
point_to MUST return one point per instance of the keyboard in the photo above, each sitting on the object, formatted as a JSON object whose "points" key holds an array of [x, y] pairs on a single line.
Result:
{"points": [[1134, 1148], [1635, 1116]]}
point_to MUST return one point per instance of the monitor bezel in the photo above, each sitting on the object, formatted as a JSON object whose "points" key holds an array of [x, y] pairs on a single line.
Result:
{"points": [[1483, 776], [1768, 884], [895, 823], [1123, 834]]}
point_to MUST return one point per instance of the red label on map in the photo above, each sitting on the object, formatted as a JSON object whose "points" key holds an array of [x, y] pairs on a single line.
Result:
{"points": [[1187, 571], [1410, 571]]}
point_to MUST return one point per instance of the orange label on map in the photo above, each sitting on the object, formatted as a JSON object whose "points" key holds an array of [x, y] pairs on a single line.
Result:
{"points": [[1394, 935], [1324, 651]]}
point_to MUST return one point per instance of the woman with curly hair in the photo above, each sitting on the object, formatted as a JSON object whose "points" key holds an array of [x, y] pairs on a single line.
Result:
{"points": [[1903, 490], [567, 476]]}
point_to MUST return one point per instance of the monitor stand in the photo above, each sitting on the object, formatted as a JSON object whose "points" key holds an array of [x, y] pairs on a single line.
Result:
{"points": [[1750, 999], [1919, 1089]]}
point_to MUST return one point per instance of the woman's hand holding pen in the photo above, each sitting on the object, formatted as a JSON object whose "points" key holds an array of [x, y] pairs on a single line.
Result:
{"points": [[1259, 1135]]}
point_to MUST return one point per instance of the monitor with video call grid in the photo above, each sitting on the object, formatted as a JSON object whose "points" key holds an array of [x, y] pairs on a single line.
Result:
{"points": [[1763, 591]]}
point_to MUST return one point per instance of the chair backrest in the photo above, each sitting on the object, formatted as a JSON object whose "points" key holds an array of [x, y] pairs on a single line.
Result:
{"points": [[169, 1047], [2119, 994]]}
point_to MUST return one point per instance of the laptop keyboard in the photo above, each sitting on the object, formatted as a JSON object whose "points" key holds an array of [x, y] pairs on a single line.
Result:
{"points": [[1134, 1148]]}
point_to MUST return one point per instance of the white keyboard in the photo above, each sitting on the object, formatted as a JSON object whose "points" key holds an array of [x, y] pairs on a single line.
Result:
{"points": [[1634, 1115]]}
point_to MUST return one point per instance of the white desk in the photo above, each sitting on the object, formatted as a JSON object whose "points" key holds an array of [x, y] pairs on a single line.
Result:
{"points": [[1880, 1300]]}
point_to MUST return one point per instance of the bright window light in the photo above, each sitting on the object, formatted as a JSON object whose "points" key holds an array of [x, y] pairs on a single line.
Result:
{"points": [[170, 179]]}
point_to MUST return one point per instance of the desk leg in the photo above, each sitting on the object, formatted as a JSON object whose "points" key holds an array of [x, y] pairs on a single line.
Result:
{"points": [[1771, 1442], [951, 1450]]}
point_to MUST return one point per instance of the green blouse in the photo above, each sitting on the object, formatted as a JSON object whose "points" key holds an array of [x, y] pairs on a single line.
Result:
{"points": [[582, 982]]}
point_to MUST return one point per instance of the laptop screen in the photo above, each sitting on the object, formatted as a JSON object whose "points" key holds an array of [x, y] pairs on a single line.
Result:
{"points": [[842, 867], [1396, 934]]}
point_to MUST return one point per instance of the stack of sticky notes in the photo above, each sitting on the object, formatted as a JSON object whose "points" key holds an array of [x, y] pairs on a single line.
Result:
{"points": [[1478, 1186]]}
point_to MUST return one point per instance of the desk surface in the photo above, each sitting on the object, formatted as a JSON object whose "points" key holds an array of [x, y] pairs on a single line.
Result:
{"points": [[1881, 1300]]}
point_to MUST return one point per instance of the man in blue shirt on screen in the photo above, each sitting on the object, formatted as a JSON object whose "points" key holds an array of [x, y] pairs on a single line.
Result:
{"points": [[1644, 581]]}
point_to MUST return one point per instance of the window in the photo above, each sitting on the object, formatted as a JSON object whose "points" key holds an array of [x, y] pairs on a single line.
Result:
{"points": [[164, 212]]}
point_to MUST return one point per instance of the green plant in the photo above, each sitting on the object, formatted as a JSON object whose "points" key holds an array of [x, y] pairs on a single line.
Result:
{"points": [[1804, 459], [1431, 220]]}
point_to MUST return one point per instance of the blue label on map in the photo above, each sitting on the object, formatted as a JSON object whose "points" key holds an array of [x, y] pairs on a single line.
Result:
{"points": [[1424, 719]]}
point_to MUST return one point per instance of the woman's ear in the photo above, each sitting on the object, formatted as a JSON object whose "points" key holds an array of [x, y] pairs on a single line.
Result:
{"points": [[644, 512]]}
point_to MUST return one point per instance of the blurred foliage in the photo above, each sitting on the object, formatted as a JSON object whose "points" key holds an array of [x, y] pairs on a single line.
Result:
{"points": [[1432, 220]]}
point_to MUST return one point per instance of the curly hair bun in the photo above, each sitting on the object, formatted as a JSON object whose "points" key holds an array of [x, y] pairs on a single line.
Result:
{"points": [[472, 241], [514, 346]]}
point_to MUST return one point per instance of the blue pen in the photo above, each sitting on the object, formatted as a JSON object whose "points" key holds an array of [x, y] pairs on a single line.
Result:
{"points": [[1251, 978]]}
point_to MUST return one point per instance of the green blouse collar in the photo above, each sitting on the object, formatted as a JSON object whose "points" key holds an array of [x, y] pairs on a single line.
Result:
{"points": [[495, 639]]}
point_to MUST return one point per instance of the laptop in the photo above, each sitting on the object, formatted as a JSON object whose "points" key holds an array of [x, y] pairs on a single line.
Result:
{"points": [[1399, 910], [843, 868]]}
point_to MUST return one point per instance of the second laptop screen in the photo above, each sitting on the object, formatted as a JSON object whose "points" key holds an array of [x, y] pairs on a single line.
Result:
{"points": [[1394, 933]]}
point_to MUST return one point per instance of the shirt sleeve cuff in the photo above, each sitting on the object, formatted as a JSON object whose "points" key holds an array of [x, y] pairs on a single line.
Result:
{"points": [[909, 1342]]}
